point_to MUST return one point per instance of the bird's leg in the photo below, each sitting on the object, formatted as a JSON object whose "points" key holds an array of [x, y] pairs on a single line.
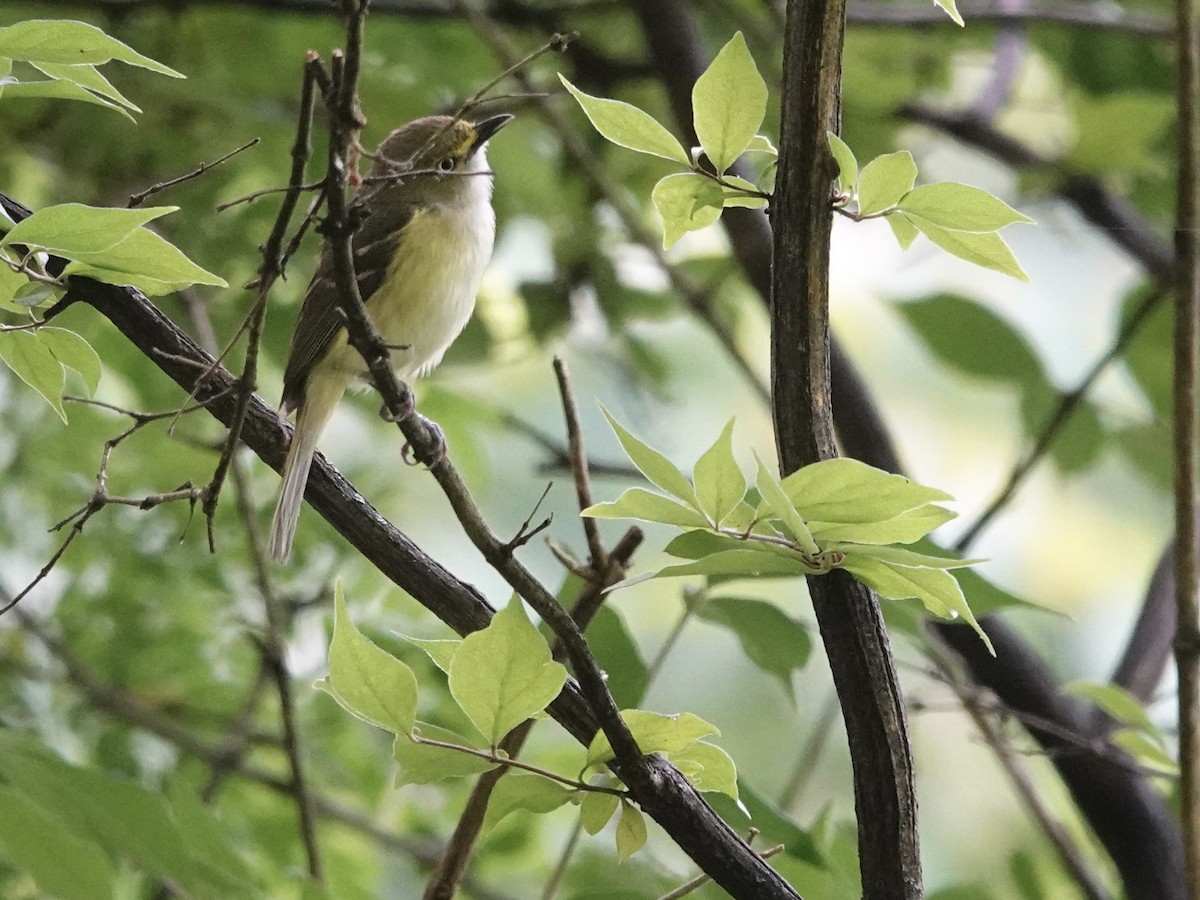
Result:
{"points": [[439, 449]]}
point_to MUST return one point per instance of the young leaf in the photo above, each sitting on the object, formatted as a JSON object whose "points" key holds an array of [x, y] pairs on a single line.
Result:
{"points": [[1145, 750], [1116, 701], [71, 229], [631, 831], [639, 503], [654, 733], [729, 102], [937, 589], [951, 9], [503, 674], [760, 143], [846, 490], [656, 467], [88, 78], [440, 651], [596, 809], [709, 768], [782, 507], [903, 229], [75, 353], [145, 261], [986, 250], [627, 126], [521, 790], [960, 207], [425, 763], [898, 556], [686, 202], [36, 293], [747, 562], [720, 484], [73, 43], [367, 680], [50, 89], [910, 525], [772, 640], [742, 193], [884, 180], [32, 361], [847, 164]]}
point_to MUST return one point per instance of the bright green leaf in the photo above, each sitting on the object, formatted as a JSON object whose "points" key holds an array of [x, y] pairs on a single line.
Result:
{"points": [[709, 768], [631, 831], [1145, 750], [627, 126], [686, 202], [847, 164], [440, 651], [502, 675], [720, 484], [61, 863], [639, 503], [729, 101], [73, 43], [847, 490], [74, 230], [986, 250], [951, 9], [58, 90], [32, 361], [760, 143], [596, 809], [421, 763], [1114, 700], [654, 733], [743, 193], [521, 790], [960, 207], [782, 506], [747, 562], [145, 261], [908, 526], [88, 78], [884, 180], [75, 353], [772, 640], [903, 228], [657, 468], [36, 293], [365, 679], [899, 556]]}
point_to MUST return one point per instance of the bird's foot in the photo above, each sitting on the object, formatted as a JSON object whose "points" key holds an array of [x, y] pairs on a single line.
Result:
{"points": [[436, 453]]}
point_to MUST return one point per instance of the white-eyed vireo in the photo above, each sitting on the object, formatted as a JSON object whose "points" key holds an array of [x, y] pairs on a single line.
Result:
{"points": [[419, 256]]}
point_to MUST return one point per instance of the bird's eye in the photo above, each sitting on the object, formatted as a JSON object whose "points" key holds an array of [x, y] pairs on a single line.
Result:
{"points": [[447, 164]]}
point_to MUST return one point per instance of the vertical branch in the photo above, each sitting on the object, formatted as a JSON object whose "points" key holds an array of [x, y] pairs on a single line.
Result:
{"points": [[848, 614], [1187, 319]]}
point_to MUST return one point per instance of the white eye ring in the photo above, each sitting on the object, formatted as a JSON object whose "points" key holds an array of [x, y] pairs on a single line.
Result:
{"points": [[447, 164]]}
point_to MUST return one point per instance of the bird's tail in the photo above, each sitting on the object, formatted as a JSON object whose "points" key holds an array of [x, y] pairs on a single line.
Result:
{"points": [[314, 413]]}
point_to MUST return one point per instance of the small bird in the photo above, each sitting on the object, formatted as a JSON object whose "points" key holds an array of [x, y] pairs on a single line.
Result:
{"points": [[419, 256]]}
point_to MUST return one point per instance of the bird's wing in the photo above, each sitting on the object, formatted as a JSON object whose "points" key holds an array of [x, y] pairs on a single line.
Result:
{"points": [[319, 322]]}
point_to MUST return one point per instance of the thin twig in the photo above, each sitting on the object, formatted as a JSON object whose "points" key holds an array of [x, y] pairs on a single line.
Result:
{"points": [[578, 459], [139, 198]]}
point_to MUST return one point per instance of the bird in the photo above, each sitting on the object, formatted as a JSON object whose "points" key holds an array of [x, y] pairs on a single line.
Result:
{"points": [[419, 257]]}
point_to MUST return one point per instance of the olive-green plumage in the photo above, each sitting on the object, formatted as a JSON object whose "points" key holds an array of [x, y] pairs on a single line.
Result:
{"points": [[419, 257]]}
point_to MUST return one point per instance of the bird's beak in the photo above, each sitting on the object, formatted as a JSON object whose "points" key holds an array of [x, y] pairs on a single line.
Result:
{"points": [[485, 130]]}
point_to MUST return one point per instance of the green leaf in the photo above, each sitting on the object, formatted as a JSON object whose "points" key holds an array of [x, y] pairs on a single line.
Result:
{"points": [[755, 809], [657, 468], [910, 525], [1114, 700], [627, 126], [36, 293], [503, 674], [847, 164], [1120, 132], [654, 733], [58, 90], [88, 78], [617, 653], [32, 361], [903, 228], [777, 500], [639, 503], [425, 764], [898, 556], [596, 809], [729, 101], [884, 180], [75, 353], [986, 250], [73, 43], [440, 651], [951, 9], [686, 202], [736, 195], [145, 261], [937, 589], [772, 640], [760, 143], [720, 484], [74, 230], [61, 863], [367, 680], [849, 491], [1145, 750], [521, 790], [709, 768], [960, 207], [747, 562], [631, 831]]}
